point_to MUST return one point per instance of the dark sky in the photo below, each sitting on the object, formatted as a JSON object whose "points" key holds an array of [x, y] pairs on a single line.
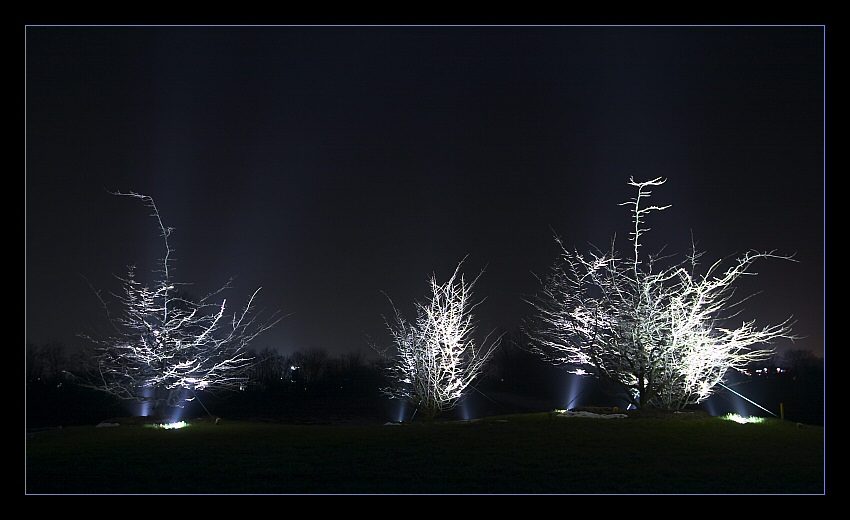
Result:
{"points": [[334, 166]]}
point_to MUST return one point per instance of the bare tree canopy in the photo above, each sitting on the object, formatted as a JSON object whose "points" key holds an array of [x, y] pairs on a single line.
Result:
{"points": [[164, 344], [666, 338], [436, 358]]}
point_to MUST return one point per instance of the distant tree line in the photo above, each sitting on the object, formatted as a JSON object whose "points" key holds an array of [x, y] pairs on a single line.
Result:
{"points": [[276, 382], [283, 384]]}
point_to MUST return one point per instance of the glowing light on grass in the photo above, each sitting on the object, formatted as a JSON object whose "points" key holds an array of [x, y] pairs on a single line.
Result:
{"points": [[170, 426], [743, 420], [175, 417]]}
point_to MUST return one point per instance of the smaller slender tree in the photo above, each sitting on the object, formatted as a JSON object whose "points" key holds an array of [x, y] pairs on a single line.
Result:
{"points": [[164, 345], [436, 358]]}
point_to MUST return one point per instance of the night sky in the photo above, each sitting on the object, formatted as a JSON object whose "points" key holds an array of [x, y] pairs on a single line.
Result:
{"points": [[336, 166]]}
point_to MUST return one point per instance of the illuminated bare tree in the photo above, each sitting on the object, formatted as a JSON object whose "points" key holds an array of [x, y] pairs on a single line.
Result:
{"points": [[436, 358], [164, 345], [665, 339]]}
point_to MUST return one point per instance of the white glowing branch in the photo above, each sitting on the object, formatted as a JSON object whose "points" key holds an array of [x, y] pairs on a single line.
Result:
{"points": [[664, 338], [436, 358], [165, 345]]}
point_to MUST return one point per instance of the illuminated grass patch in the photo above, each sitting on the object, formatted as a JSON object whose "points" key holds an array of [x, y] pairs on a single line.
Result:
{"points": [[169, 426], [743, 420]]}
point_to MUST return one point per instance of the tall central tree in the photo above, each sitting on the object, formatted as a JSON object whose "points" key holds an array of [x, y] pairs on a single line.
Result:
{"points": [[436, 358], [164, 344], [664, 337]]}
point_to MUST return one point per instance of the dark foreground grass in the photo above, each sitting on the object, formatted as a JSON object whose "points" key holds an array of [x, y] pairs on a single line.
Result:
{"points": [[516, 454]]}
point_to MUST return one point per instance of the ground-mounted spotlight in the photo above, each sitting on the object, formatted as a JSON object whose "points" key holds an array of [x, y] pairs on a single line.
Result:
{"points": [[399, 412], [741, 406], [145, 408], [170, 426], [573, 388], [740, 419], [710, 407], [463, 410], [176, 416]]}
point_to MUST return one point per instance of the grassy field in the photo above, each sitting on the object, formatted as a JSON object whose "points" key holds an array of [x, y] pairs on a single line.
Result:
{"points": [[515, 454]]}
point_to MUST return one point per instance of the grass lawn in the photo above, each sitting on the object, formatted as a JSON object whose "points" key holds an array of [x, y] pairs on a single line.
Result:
{"points": [[536, 453]]}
